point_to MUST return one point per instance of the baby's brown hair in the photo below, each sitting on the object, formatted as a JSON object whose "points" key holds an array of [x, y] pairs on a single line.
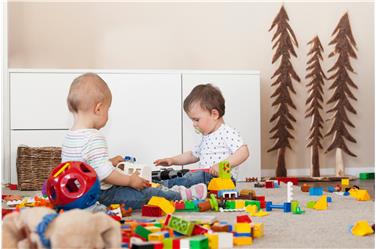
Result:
{"points": [[86, 91], [208, 96]]}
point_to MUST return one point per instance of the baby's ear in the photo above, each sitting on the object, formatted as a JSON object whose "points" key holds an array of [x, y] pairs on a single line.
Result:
{"points": [[215, 113], [98, 107]]}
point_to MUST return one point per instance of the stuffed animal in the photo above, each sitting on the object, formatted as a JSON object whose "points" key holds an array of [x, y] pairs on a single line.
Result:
{"points": [[41, 227]]}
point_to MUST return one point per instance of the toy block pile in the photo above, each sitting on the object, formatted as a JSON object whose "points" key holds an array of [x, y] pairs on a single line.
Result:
{"points": [[177, 232]]}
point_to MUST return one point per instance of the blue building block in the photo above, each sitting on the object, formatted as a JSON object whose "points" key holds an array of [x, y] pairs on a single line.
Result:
{"points": [[329, 199], [346, 193], [331, 189], [285, 206], [315, 191]]}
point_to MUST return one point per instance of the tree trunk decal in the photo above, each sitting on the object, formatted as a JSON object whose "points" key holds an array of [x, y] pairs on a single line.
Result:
{"points": [[345, 47], [314, 102], [285, 41]]}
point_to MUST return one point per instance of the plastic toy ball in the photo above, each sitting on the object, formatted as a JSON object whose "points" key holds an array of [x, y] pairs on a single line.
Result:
{"points": [[73, 185]]}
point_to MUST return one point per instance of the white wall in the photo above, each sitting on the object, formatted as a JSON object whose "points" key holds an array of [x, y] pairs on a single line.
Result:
{"points": [[219, 36]]}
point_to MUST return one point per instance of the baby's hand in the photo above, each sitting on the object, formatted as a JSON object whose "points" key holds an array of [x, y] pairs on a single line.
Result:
{"points": [[137, 182], [116, 160], [214, 170], [164, 162]]}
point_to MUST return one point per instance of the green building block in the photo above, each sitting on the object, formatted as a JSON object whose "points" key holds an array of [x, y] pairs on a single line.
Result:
{"points": [[181, 226], [167, 243], [199, 242], [190, 206], [230, 204], [224, 170], [310, 204], [252, 202], [366, 176], [142, 231], [213, 202]]}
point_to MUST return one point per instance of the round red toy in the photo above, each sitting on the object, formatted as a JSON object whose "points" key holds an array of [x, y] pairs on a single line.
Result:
{"points": [[73, 185]]}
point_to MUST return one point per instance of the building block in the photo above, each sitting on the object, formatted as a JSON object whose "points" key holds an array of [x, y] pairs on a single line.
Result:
{"points": [[359, 194], [295, 209], [230, 204], [213, 203], [164, 204], [158, 236], [151, 211], [225, 240], [305, 187], [217, 184], [258, 230], [294, 180], [199, 230], [366, 176], [239, 204], [290, 192], [362, 228], [180, 225], [242, 241], [269, 184], [179, 205], [261, 199], [213, 240], [275, 184], [345, 181], [221, 228], [204, 206], [230, 194], [321, 204], [285, 206], [242, 228], [243, 219], [315, 191], [252, 202], [190, 206], [224, 170], [247, 194], [331, 189], [142, 232], [199, 242], [167, 243], [329, 199]]}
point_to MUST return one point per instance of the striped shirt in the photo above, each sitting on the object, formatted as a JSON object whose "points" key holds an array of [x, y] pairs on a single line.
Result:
{"points": [[89, 146]]}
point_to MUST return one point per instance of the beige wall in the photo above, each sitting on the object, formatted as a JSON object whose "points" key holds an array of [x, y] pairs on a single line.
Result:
{"points": [[220, 36]]}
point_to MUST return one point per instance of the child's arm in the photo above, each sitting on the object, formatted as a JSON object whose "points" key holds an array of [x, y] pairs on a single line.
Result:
{"points": [[239, 156], [182, 159], [133, 181]]}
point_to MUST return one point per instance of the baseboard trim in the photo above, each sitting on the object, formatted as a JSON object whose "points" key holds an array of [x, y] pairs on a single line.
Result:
{"points": [[323, 172]]}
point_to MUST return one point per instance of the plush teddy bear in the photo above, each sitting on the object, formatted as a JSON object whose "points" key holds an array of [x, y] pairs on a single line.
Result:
{"points": [[41, 227]]}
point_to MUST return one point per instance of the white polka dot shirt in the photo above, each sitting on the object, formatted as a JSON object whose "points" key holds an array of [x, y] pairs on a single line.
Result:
{"points": [[218, 146]]}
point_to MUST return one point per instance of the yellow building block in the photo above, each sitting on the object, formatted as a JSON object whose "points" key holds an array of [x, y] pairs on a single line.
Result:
{"points": [[362, 228], [217, 184], [239, 204], [242, 241], [261, 213], [213, 240], [258, 230], [345, 181], [164, 204], [360, 194], [321, 204], [242, 227], [251, 209], [156, 237]]}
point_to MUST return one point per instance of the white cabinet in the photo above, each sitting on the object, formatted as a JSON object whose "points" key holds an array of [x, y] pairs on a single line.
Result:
{"points": [[242, 98], [146, 118]]}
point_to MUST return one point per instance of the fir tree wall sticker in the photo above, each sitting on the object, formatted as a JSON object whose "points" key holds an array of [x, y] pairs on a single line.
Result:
{"points": [[314, 102], [284, 42], [345, 47]]}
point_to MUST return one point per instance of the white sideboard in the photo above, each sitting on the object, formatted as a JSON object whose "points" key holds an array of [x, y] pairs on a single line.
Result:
{"points": [[146, 117]]}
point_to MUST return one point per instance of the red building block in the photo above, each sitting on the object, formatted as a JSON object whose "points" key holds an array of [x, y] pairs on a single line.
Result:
{"points": [[294, 180], [261, 199], [197, 230], [269, 184], [151, 211], [179, 205], [243, 219]]}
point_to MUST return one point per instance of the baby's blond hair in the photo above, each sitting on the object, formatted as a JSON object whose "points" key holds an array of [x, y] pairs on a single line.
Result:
{"points": [[86, 91]]}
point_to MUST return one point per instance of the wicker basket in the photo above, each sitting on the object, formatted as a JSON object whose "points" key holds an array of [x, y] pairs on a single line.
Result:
{"points": [[34, 165]]}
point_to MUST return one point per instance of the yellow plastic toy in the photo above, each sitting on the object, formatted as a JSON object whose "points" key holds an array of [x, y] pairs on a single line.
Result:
{"points": [[359, 194], [217, 184], [321, 204], [164, 204], [362, 228]]}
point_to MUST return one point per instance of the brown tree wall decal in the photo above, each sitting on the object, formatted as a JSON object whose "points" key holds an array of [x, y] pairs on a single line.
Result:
{"points": [[285, 41], [314, 102], [344, 46]]}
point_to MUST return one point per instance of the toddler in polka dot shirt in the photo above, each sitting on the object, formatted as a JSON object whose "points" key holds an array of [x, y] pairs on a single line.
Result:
{"points": [[205, 106]]}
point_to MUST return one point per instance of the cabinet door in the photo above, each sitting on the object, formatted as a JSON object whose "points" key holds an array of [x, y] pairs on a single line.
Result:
{"points": [[242, 96], [34, 138], [38, 100], [145, 115]]}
